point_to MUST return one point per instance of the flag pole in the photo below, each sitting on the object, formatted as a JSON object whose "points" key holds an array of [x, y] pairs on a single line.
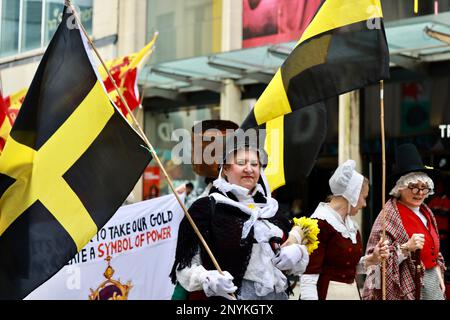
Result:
{"points": [[149, 145], [383, 187]]}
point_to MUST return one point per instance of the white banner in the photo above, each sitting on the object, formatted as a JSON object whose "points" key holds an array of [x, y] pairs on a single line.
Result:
{"points": [[140, 240]]}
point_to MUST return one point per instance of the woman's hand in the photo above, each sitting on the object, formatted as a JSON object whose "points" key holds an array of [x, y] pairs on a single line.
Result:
{"points": [[219, 284], [381, 251], [416, 242]]}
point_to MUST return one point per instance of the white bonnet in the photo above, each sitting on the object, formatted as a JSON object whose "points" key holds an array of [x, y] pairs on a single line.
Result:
{"points": [[346, 182]]}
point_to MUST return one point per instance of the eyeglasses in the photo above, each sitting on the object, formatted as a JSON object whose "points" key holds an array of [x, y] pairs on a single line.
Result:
{"points": [[416, 190]]}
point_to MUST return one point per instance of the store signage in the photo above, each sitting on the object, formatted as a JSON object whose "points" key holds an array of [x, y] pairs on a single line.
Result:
{"points": [[445, 130]]}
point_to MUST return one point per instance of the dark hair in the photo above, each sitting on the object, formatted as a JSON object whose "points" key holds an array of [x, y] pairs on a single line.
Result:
{"points": [[189, 185]]}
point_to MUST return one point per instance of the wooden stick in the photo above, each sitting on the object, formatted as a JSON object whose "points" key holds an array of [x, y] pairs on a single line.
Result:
{"points": [[149, 145], [383, 187]]}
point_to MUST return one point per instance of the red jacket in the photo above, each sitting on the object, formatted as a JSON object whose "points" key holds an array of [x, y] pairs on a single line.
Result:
{"points": [[413, 224], [335, 259]]}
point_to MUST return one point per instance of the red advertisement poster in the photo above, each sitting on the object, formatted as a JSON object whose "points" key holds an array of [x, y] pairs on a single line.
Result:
{"points": [[151, 183], [275, 21]]}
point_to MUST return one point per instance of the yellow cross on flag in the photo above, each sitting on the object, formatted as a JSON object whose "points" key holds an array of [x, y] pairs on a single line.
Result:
{"points": [[69, 163]]}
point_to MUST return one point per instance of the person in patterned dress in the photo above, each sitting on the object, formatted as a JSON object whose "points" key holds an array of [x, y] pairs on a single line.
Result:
{"points": [[410, 226]]}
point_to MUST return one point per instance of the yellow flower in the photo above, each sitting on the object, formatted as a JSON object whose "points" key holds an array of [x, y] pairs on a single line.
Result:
{"points": [[309, 230]]}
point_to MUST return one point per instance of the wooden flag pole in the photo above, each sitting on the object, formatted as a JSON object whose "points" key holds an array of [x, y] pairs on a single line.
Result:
{"points": [[149, 145], [383, 187]]}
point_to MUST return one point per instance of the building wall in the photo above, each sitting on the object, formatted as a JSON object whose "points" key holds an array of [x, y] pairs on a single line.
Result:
{"points": [[11, 82], [186, 28], [106, 24], [118, 28]]}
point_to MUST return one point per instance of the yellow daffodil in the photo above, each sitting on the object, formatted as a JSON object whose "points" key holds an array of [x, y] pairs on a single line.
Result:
{"points": [[309, 230]]}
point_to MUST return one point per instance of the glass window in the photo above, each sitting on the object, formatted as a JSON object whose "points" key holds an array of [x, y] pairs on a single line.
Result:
{"points": [[168, 47], [31, 24], [53, 14], [9, 27], [22, 20], [186, 28]]}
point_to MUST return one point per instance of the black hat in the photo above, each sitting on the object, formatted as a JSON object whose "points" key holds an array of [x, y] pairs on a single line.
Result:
{"points": [[407, 160], [248, 139]]}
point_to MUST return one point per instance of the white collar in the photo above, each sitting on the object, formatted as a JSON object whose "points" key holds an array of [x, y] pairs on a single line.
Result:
{"points": [[261, 210], [347, 228]]}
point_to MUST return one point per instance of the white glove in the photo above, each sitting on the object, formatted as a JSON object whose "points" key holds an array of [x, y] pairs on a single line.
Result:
{"points": [[216, 284], [288, 257]]}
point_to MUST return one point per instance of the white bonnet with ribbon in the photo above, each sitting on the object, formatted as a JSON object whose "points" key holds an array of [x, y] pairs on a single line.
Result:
{"points": [[347, 182]]}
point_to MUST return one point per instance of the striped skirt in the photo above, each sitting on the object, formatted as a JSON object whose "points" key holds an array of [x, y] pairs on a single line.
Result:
{"points": [[431, 289]]}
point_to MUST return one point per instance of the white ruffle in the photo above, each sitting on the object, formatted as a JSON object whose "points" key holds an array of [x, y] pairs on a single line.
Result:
{"points": [[348, 228], [246, 203], [260, 269]]}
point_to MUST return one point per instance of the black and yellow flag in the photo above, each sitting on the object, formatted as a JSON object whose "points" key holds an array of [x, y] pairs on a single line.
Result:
{"points": [[343, 48], [69, 163], [292, 143]]}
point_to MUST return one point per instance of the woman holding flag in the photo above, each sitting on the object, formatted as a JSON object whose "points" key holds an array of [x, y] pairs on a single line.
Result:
{"points": [[244, 228]]}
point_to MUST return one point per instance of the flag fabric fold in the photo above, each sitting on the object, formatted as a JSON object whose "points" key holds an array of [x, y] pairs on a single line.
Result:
{"points": [[292, 143], [70, 161], [343, 48]]}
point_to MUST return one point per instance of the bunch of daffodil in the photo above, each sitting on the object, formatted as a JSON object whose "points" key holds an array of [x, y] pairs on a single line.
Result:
{"points": [[305, 232]]}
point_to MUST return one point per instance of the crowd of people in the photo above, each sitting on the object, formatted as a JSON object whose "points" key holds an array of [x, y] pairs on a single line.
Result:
{"points": [[245, 229]]}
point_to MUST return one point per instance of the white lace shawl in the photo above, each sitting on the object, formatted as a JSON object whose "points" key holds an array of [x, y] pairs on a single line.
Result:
{"points": [[260, 270]]}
